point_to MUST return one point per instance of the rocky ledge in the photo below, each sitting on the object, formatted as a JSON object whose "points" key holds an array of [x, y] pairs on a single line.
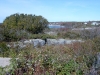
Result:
{"points": [[40, 42]]}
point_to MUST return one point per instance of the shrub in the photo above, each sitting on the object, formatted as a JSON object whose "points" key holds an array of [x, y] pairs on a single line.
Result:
{"points": [[72, 59], [8, 35], [70, 35], [32, 23], [13, 34], [3, 49], [41, 36]]}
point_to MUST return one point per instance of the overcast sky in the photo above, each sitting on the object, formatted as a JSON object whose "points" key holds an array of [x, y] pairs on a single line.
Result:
{"points": [[53, 10]]}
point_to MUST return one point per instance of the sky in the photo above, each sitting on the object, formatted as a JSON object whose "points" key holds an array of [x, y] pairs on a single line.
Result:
{"points": [[53, 10]]}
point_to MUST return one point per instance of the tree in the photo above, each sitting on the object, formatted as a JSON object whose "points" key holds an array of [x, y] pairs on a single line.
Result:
{"points": [[32, 23]]}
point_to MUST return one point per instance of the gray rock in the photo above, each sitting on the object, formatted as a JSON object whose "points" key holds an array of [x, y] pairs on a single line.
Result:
{"points": [[40, 42], [4, 62], [27, 42], [19, 44], [24, 43], [52, 42], [61, 41], [95, 66], [98, 61]]}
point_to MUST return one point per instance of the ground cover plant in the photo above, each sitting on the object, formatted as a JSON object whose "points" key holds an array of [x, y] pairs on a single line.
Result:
{"points": [[70, 59]]}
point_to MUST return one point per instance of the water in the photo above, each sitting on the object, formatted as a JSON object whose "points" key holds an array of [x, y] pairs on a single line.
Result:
{"points": [[55, 26]]}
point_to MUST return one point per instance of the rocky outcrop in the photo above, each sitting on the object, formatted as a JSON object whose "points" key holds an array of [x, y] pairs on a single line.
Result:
{"points": [[35, 42], [40, 42], [98, 61], [4, 62], [60, 41], [97, 65], [95, 69], [24, 43]]}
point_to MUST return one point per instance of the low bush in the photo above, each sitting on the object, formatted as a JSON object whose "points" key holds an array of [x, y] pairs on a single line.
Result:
{"points": [[41, 36], [9, 35], [13, 34], [70, 35], [3, 49], [71, 59]]}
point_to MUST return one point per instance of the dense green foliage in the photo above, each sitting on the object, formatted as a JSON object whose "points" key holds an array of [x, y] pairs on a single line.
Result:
{"points": [[23, 26], [3, 49], [8, 35], [31, 23], [13, 34]]}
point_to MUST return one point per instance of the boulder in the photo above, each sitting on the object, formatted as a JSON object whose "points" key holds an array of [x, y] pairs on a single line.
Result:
{"points": [[98, 61], [61, 41], [4, 62], [38, 42], [52, 42], [72, 41]]}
